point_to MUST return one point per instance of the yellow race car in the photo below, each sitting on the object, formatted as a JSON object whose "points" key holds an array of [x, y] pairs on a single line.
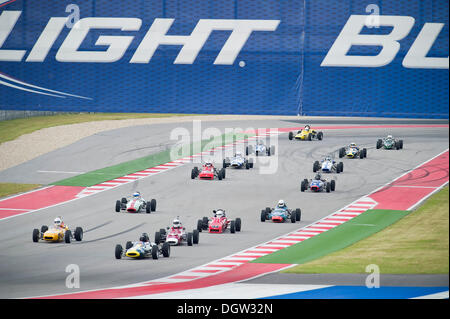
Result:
{"points": [[307, 134], [57, 234]]}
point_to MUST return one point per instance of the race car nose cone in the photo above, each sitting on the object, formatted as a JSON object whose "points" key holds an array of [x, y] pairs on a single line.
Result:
{"points": [[133, 254], [277, 219]]}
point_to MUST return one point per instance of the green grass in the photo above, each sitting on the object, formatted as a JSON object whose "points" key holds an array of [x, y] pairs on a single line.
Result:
{"points": [[7, 189], [12, 129], [334, 239], [119, 170], [416, 244]]}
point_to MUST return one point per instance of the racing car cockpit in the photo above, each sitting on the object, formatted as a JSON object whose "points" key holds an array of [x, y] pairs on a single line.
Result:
{"points": [[144, 238], [219, 213]]}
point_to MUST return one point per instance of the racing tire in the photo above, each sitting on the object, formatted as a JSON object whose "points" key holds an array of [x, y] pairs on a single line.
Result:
{"points": [[124, 200], [155, 252], [222, 172], [157, 237], [162, 231], [35, 235], [238, 224], [302, 186], [219, 175], [293, 217], [397, 145], [189, 239], [153, 205], [263, 215], [328, 187], [128, 245], [67, 236], [166, 249], [44, 228], [316, 166], [148, 208], [205, 221], [365, 152], [232, 226], [193, 174], [268, 151], [291, 136], [333, 185], [401, 144], [78, 234], [338, 169], [298, 214], [199, 225], [118, 206], [224, 163], [118, 251], [195, 236], [379, 143], [361, 154], [341, 166], [268, 211], [342, 152], [320, 136]]}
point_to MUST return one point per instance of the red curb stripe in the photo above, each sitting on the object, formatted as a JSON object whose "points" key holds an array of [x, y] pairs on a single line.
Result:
{"points": [[205, 270]]}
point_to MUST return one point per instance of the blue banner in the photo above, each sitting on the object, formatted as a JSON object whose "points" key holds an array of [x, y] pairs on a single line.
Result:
{"points": [[331, 58]]}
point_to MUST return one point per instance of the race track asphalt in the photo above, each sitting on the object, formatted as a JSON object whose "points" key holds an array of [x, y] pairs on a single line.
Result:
{"points": [[34, 269]]}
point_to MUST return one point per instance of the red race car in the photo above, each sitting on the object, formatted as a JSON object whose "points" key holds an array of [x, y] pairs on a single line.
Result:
{"points": [[219, 223], [208, 171], [176, 235]]}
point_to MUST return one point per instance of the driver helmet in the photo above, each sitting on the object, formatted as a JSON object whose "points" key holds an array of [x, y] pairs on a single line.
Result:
{"points": [[208, 164], [318, 176], [58, 221], [281, 203], [137, 195], [352, 144], [176, 223], [307, 127], [328, 158], [144, 237], [389, 137], [220, 213], [238, 154]]}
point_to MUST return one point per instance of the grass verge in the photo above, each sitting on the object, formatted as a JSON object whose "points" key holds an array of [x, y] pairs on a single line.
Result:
{"points": [[7, 189], [416, 244], [12, 129]]}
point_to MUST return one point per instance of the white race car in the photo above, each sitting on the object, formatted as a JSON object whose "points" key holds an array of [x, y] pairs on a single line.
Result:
{"points": [[259, 149], [238, 161], [328, 165], [135, 204]]}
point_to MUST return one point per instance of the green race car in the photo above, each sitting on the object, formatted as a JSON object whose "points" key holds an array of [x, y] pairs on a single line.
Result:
{"points": [[389, 143]]}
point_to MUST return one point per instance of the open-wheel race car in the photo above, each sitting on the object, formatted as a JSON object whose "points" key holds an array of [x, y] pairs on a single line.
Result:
{"points": [[135, 204], [328, 165], [238, 161], [177, 235], [142, 248], [58, 232], [219, 223], [208, 172], [306, 134], [352, 151], [389, 143], [260, 149], [318, 184], [281, 213]]}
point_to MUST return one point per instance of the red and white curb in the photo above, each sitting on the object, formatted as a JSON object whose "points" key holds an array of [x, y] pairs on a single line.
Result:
{"points": [[91, 190]]}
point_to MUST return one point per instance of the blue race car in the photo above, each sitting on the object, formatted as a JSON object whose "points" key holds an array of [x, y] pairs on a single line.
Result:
{"points": [[318, 184], [280, 215], [238, 161]]}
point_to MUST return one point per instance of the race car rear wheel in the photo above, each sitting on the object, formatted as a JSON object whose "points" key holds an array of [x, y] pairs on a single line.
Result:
{"points": [[298, 214], [155, 252], [291, 136], [333, 185], [193, 174], [293, 217], [341, 152], [232, 226], [365, 152], [401, 144], [78, 234], [157, 237], [118, 205], [153, 205], [379, 143], [316, 166], [35, 235], [302, 186], [263, 215], [195, 236], [320, 136], [67, 236], [328, 187], [205, 223], [199, 225], [341, 166], [128, 245], [238, 224], [189, 239], [118, 251], [44, 228], [166, 249]]}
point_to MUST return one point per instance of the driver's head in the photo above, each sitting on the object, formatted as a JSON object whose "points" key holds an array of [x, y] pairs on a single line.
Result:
{"points": [[352, 144], [281, 203], [208, 164], [389, 137], [176, 223], [238, 154], [144, 237], [318, 176], [219, 213], [307, 127], [136, 195], [57, 221]]}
